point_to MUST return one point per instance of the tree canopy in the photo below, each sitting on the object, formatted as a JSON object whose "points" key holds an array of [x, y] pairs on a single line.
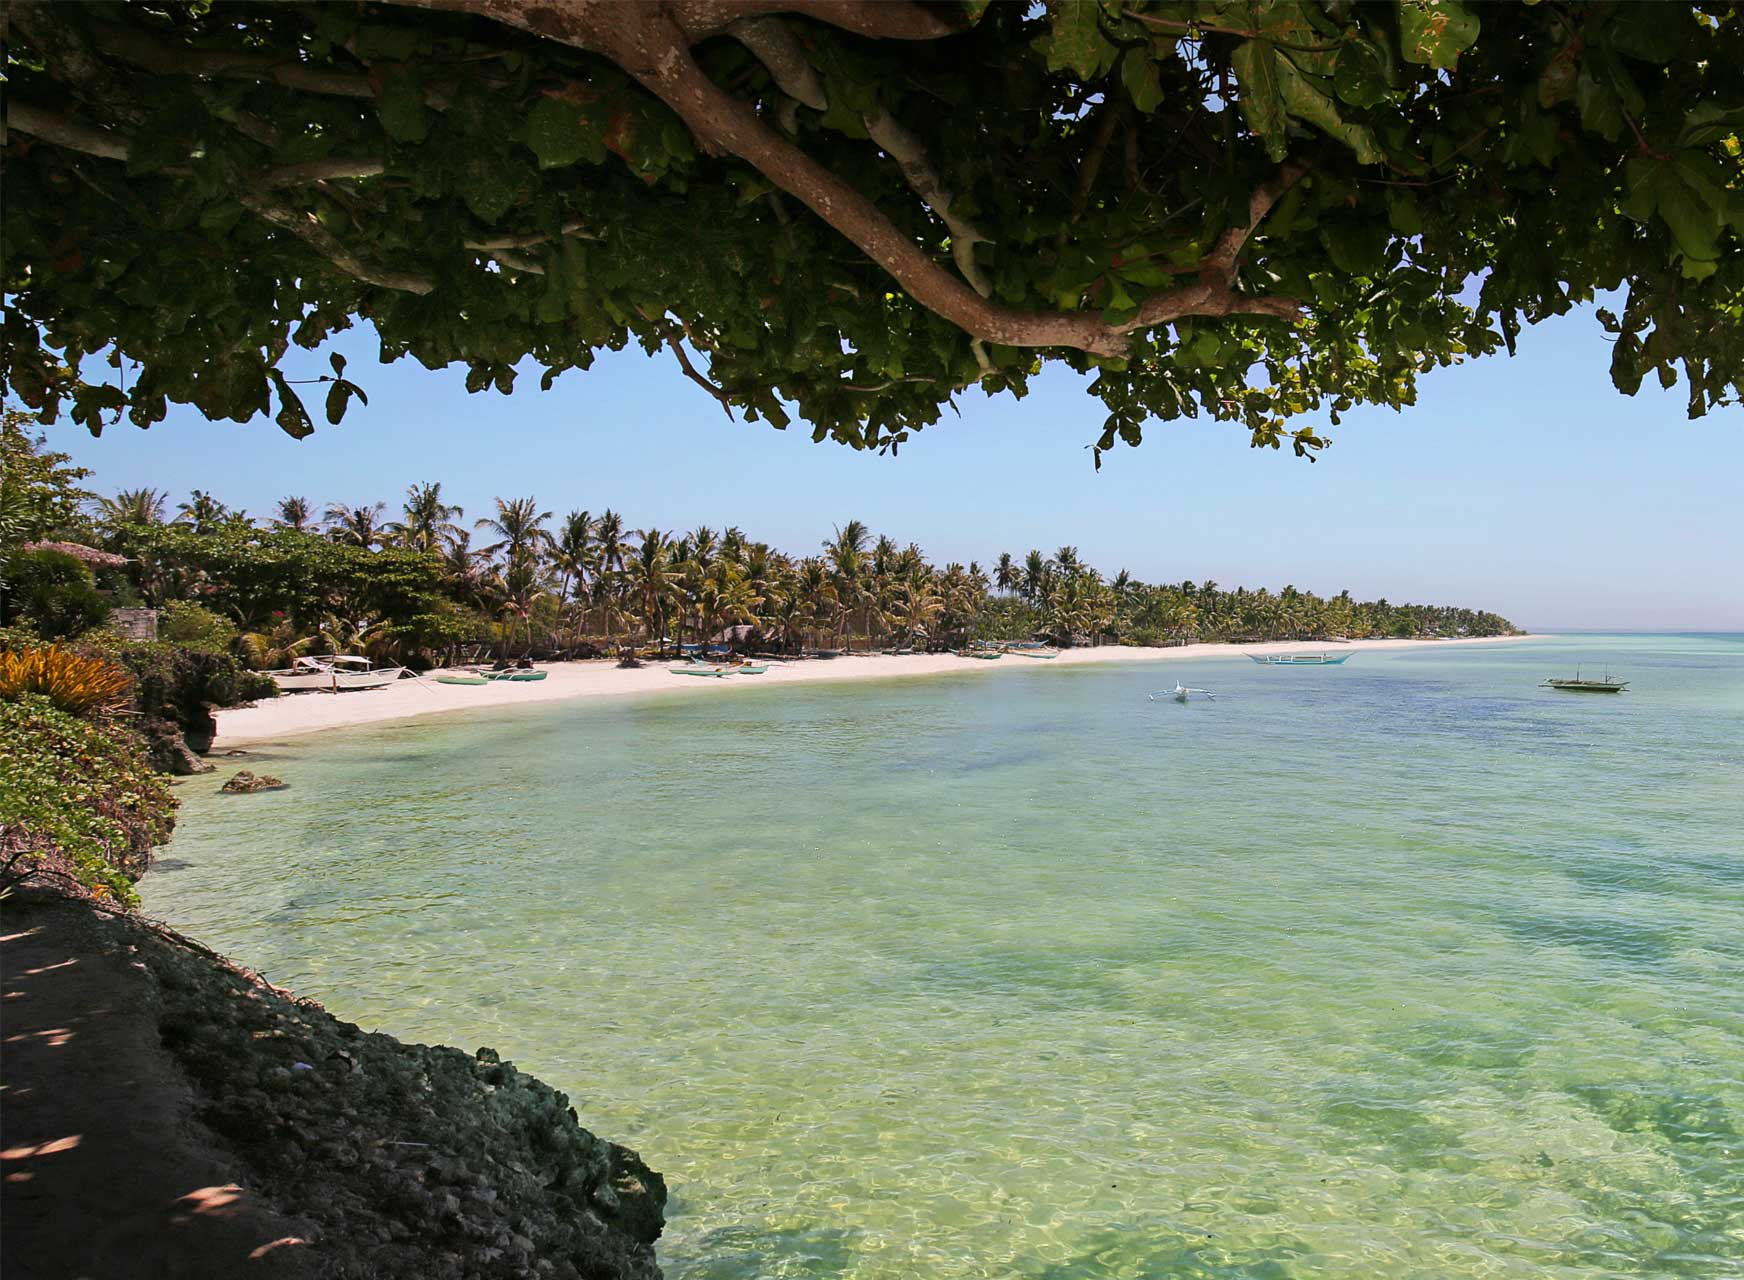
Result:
{"points": [[1246, 209]]}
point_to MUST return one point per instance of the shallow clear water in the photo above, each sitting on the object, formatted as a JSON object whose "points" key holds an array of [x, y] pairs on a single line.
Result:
{"points": [[1403, 968]]}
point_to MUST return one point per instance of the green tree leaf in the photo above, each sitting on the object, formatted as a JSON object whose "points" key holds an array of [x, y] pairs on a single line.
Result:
{"points": [[292, 417], [1307, 102], [1262, 102], [400, 105], [1138, 72], [1075, 40], [1435, 32], [1359, 77], [559, 133]]}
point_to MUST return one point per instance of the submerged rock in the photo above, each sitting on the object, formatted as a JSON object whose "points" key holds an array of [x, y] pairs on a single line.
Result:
{"points": [[247, 781]]}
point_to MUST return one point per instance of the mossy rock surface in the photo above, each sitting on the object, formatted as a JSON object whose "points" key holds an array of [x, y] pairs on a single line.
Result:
{"points": [[247, 782]]}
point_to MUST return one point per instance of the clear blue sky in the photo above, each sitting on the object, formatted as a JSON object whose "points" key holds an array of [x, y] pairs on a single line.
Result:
{"points": [[1527, 485]]}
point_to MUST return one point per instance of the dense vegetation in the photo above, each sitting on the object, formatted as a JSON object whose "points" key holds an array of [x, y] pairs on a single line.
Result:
{"points": [[77, 794], [418, 588], [1249, 211], [53, 589]]}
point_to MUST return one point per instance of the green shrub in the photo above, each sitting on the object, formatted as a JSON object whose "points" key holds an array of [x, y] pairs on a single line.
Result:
{"points": [[53, 592], [194, 626], [75, 682], [79, 795], [180, 683]]}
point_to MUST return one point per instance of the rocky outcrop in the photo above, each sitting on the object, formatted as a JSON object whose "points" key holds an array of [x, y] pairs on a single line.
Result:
{"points": [[169, 750], [398, 1161], [246, 782]]}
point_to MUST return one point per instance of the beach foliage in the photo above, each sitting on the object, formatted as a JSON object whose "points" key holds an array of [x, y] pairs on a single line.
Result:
{"points": [[194, 626], [76, 683], [41, 494], [586, 583], [77, 796], [53, 592], [855, 212]]}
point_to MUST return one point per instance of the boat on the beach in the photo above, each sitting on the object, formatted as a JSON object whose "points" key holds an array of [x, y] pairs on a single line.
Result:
{"points": [[333, 673], [980, 655], [719, 673], [516, 675], [1299, 659], [750, 670], [1030, 653], [460, 677], [1587, 685]]}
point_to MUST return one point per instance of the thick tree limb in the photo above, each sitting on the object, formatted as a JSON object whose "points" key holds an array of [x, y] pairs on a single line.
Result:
{"points": [[781, 55], [574, 21], [291, 175], [304, 225], [578, 230], [162, 59], [652, 44], [62, 132], [517, 261], [779, 51]]}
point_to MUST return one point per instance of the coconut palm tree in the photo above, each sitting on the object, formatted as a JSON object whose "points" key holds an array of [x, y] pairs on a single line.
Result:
{"points": [[201, 512], [294, 513], [427, 520], [520, 528], [651, 580], [1035, 577], [518, 585], [462, 566], [133, 506], [359, 526], [846, 553], [703, 544], [572, 553], [1005, 573], [275, 646]]}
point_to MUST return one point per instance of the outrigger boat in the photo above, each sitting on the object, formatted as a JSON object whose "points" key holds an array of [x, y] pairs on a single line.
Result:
{"points": [[980, 655], [1181, 692], [460, 677], [718, 673], [1299, 659], [1578, 685], [515, 674], [333, 673]]}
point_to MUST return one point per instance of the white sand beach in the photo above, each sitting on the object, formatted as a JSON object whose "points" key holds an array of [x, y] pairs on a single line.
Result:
{"points": [[294, 715]]}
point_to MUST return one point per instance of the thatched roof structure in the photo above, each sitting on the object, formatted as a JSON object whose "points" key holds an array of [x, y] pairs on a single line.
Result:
{"points": [[79, 551]]}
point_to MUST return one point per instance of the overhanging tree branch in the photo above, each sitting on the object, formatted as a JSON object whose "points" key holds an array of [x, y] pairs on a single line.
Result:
{"points": [[62, 132], [653, 45]]}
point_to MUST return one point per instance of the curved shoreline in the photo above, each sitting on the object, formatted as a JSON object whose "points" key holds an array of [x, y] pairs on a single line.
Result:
{"points": [[297, 715]]}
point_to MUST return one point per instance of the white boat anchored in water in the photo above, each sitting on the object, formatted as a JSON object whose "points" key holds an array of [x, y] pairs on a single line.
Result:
{"points": [[1610, 684], [1181, 692], [333, 673]]}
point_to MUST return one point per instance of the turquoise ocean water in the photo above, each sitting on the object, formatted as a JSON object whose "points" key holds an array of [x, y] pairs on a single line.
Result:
{"points": [[1404, 968]]}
